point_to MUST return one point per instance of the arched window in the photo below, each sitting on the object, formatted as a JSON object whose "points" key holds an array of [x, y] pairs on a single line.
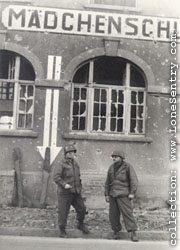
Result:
{"points": [[16, 91], [108, 96]]}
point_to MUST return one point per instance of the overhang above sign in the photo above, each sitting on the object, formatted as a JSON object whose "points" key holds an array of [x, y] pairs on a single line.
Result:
{"points": [[89, 23]]}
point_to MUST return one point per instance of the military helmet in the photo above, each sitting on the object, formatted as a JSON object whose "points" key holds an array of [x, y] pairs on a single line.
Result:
{"points": [[69, 148], [118, 153]]}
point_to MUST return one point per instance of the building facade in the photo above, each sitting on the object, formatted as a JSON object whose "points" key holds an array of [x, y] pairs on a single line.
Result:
{"points": [[95, 74]]}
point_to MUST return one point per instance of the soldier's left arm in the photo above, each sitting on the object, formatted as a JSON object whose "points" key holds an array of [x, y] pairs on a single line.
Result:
{"points": [[133, 180]]}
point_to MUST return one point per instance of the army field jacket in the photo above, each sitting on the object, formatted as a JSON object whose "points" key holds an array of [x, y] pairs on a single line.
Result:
{"points": [[121, 182], [68, 172]]}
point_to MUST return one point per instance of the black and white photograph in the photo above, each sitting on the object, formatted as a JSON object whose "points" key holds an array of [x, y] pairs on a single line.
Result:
{"points": [[89, 124]]}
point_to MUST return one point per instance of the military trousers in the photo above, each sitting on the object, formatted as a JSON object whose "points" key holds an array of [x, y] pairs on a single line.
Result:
{"points": [[64, 203], [118, 206]]}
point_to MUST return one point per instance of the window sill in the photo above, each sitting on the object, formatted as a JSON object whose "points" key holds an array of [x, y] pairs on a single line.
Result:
{"points": [[18, 133], [106, 137]]}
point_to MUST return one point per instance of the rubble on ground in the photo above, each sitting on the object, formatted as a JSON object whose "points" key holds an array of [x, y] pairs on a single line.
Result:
{"points": [[97, 219]]}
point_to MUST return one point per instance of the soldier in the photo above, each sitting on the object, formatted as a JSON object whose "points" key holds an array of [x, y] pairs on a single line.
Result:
{"points": [[67, 178], [120, 188]]}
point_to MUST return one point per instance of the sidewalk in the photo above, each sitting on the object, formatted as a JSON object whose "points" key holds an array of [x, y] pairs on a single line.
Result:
{"points": [[152, 223]]}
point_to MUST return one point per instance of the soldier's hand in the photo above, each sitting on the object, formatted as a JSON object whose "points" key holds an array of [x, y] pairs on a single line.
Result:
{"points": [[107, 198], [67, 186], [131, 196]]}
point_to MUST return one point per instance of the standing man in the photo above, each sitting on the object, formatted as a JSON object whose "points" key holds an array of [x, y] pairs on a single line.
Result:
{"points": [[67, 178], [120, 188]]}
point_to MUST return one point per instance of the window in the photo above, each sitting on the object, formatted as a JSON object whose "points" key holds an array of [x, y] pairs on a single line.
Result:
{"points": [[108, 96], [124, 4], [16, 91]]}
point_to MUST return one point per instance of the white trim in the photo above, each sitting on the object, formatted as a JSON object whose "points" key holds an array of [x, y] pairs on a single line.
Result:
{"points": [[128, 72], [55, 118], [50, 67], [90, 110], [57, 76], [108, 111], [58, 67], [126, 114], [145, 111], [16, 92], [91, 71], [71, 106], [46, 134]]}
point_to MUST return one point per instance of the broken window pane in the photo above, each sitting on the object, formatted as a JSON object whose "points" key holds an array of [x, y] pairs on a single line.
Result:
{"points": [[140, 97], [133, 126], [121, 96], [133, 111], [100, 109], [26, 102], [79, 109], [103, 109], [82, 108], [137, 112], [29, 106], [11, 65], [117, 111], [139, 126], [22, 91], [113, 110], [113, 96], [103, 124], [28, 120], [22, 106], [120, 110], [95, 124], [133, 97], [140, 112], [119, 125]]}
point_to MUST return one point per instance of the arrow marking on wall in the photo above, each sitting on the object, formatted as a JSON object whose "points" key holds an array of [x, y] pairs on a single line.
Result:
{"points": [[51, 104]]}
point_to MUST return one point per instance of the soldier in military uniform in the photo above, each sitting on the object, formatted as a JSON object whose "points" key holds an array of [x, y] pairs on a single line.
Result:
{"points": [[120, 188], [67, 178]]}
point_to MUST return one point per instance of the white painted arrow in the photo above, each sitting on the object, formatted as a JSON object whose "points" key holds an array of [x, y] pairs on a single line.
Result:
{"points": [[50, 128], [54, 149]]}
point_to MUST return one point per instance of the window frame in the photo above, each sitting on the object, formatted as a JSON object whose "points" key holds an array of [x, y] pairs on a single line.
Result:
{"points": [[90, 86], [91, 4], [13, 77]]}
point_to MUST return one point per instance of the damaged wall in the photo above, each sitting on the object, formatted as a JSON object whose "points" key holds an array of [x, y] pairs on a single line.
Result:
{"points": [[149, 157]]}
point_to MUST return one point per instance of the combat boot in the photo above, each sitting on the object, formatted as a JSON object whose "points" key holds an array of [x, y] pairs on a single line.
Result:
{"points": [[83, 228], [116, 235], [63, 233], [134, 236]]}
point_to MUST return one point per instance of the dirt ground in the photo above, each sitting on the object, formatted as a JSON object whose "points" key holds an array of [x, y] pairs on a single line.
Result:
{"points": [[149, 219]]}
